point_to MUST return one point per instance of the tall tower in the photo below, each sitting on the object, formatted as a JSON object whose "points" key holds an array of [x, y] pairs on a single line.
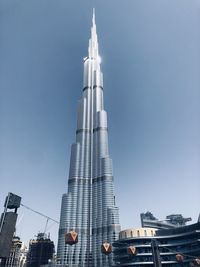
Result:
{"points": [[89, 206]]}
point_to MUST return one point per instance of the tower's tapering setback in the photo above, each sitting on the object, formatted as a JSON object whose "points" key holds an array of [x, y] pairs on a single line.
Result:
{"points": [[89, 206]]}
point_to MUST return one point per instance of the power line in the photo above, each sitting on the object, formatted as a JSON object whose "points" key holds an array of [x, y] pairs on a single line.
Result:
{"points": [[39, 213]]}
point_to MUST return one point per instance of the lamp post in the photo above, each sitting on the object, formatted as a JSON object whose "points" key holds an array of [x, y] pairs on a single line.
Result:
{"points": [[155, 253], [71, 238], [132, 250], [197, 262], [106, 248]]}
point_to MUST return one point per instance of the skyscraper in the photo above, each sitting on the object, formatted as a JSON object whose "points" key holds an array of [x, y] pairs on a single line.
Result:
{"points": [[89, 206]]}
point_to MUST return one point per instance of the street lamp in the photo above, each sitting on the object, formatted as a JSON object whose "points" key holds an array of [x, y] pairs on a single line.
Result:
{"points": [[71, 238]]}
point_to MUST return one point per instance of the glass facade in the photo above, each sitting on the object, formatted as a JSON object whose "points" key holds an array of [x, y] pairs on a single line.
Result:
{"points": [[89, 205]]}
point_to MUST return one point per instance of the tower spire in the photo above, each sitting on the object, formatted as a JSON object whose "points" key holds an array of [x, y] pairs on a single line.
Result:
{"points": [[93, 42], [93, 17]]}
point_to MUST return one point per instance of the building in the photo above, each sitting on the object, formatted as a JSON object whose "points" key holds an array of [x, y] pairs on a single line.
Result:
{"points": [[171, 221], [89, 206], [175, 247], [14, 259], [8, 221], [23, 255], [40, 252]]}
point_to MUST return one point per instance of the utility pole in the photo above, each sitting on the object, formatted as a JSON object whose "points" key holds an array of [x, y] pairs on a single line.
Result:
{"points": [[155, 253]]}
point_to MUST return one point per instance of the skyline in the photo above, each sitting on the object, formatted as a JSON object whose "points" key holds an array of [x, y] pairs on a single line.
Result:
{"points": [[150, 61]]}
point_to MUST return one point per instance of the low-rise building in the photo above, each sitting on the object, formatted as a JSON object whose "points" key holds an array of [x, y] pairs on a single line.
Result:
{"points": [[179, 246]]}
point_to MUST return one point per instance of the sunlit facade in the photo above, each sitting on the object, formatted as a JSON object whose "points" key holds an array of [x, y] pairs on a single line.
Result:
{"points": [[89, 205]]}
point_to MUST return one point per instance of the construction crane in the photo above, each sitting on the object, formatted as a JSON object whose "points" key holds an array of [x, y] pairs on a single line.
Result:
{"points": [[41, 214]]}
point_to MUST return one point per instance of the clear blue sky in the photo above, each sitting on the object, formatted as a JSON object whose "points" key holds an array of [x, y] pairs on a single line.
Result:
{"points": [[151, 62]]}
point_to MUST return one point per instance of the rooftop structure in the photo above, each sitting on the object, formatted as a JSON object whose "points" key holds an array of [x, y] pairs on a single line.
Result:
{"points": [[171, 221]]}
